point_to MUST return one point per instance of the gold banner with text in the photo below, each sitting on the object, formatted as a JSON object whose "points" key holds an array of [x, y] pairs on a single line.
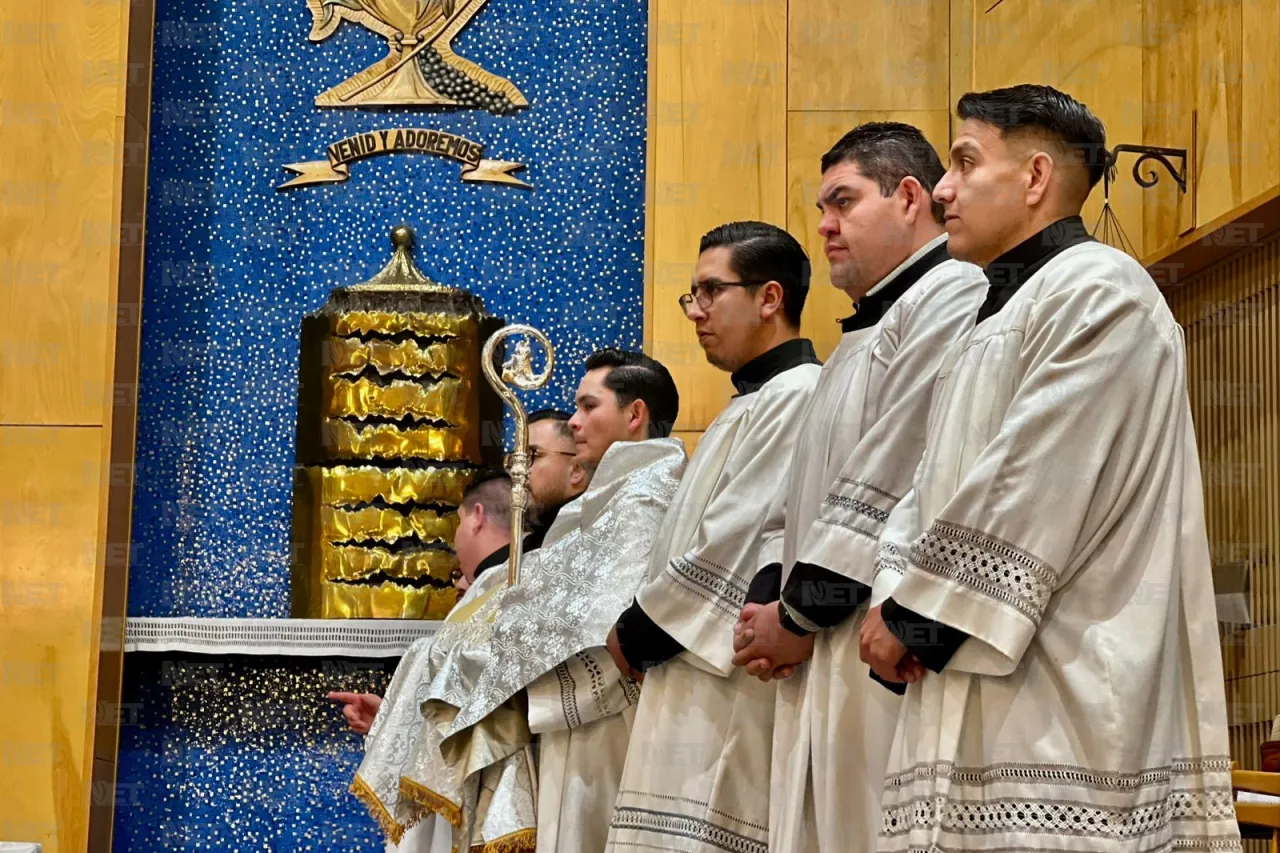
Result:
{"points": [[342, 154]]}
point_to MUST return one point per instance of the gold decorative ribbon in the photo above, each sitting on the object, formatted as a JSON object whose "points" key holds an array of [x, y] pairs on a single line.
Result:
{"points": [[410, 140], [395, 322], [520, 841], [390, 442], [385, 601], [347, 484], [399, 398], [351, 563], [390, 826], [373, 524], [352, 355]]}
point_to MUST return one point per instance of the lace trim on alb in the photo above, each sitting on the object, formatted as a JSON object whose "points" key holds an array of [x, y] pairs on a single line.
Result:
{"points": [[987, 565], [683, 826], [725, 590], [1065, 802]]}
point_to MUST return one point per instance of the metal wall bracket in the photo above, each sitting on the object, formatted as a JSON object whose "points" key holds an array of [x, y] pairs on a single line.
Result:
{"points": [[1163, 156]]}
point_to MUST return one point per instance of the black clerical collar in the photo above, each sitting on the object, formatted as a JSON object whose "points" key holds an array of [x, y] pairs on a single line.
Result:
{"points": [[532, 540], [871, 308], [497, 558], [1015, 267], [752, 376]]}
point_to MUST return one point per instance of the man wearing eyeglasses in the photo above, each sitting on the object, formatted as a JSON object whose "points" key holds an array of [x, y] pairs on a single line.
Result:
{"points": [[555, 478], [555, 474], [702, 730]]}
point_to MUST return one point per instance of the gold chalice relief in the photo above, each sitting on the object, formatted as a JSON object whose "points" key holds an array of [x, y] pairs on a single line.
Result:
{"points": [[420, 67], [393, 422]]}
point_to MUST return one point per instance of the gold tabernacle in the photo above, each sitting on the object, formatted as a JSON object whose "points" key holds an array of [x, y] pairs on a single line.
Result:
{"points": [[393, 422]]}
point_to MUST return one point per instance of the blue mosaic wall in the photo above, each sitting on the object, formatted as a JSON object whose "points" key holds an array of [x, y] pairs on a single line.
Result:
{"points": [[232, 264], [242, 754]]}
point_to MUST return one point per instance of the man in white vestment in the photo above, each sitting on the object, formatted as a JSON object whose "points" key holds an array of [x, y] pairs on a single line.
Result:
{"points": [[696, 770], [858, 448], [541, 666], [481, 543], [1052, 569], [482, 539]]}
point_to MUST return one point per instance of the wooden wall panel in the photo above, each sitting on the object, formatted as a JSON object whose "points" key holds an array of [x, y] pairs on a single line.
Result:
{"points": [[1170, 71], [1201, 75], [1260, 96], [1099, 46], [690, 440], [1231, 314], [870, 55], [809, 136], [1237, 103], [1211, 85], [50, 498], [960, 56], [63, 74], [1086, 49], [1013, 43], [717, 154], [1219, 108]]}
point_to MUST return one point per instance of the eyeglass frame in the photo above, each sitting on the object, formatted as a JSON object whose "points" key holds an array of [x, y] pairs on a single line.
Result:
{"points": [[687, 299], [535, 453]]}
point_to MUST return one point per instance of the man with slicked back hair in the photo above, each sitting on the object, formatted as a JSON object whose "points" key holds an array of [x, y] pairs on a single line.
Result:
{"points": [[1050, 601]]}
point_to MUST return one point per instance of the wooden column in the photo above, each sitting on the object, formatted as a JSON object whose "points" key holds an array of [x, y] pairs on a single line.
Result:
{"points": [[73, 160]]}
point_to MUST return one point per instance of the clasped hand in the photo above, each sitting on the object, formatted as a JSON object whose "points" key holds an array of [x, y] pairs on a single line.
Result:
{"points": [[884, 652], [763, 647], [769, 651], [614, 647]]}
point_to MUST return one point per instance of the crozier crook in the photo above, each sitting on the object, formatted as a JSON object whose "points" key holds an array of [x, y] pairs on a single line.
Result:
{"points": [[517, 371]]}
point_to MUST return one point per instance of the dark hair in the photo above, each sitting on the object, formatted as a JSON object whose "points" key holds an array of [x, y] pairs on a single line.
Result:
{"points": [[492, 490], [561, 418], [636, 376], [888, 151], [1033, 107], [763, 252]]}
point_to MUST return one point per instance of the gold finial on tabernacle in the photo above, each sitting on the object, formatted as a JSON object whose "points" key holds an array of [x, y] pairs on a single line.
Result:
{"points": [[401, 273]]}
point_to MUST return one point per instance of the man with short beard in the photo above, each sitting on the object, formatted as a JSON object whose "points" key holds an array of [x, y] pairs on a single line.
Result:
{"points": [[555, 474], [1052, 568], [854, 459]]}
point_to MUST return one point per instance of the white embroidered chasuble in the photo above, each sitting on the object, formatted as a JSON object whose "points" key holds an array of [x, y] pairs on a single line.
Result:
{"points": [[541, 667], [696, 776], [399, 726], [1057, 520], [859, 447]]}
